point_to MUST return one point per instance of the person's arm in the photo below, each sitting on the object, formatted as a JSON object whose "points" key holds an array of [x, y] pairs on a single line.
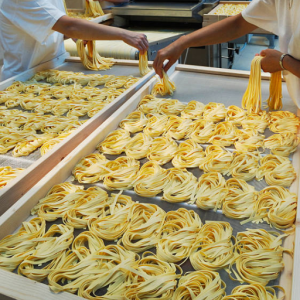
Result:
{"points": [[270, 62], [85, 30], [220, 32]]}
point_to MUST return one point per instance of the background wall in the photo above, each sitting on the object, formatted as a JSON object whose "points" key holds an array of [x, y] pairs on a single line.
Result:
{"points": [[1, 50]]}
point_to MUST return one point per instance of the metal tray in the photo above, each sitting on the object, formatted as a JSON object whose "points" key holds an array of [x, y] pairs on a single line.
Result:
{"points": [[38, 166], [191, 85]]}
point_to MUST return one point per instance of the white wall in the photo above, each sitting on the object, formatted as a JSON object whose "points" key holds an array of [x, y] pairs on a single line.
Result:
{"points": [[1, 50]]}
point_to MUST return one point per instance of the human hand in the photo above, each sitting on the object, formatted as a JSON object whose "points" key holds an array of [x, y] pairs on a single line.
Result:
{"points": [[270, 62], [171, 52], [137, 40]]}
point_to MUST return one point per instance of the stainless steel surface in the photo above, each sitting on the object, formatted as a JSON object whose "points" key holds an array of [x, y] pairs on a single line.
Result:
{"points": [[207, 88], [26, 161], [180, 10]]}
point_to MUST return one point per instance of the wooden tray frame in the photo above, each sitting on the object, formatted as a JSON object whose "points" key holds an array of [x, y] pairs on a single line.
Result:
{"points": [[211, 18], [20, 211], [17, 187]]}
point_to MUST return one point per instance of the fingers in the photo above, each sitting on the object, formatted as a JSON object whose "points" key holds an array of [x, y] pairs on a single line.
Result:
{"points": [[158, 65], [142, 43], [168, 65], [263, 53]]}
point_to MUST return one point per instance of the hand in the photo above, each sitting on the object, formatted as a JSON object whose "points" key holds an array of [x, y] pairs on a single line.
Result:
{"points": [[270, 62], [137, 40], [171, 52]]}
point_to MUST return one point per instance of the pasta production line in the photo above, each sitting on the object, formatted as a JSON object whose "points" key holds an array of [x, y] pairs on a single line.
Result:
{"points": [[163, 22]]}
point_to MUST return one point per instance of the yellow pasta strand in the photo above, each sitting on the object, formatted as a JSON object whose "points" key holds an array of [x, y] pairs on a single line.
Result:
{"points": [[92, 60], [143, 63], [252, 97]]}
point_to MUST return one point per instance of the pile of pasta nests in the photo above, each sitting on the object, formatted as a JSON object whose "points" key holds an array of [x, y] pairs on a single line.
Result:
{"points": [[230, 9], [84, 265], [153, 136], [93, 9], [53, 108]]}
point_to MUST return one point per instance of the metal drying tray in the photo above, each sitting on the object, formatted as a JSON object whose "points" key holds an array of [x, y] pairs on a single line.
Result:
{"points": [[38, 166], [226, 89]]}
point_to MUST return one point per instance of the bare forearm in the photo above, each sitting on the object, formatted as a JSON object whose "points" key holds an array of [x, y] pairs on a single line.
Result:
{"points": [[223, 31], [82, 29], [291, 64]]}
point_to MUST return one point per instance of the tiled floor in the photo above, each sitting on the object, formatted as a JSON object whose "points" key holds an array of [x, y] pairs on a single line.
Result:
{"points": [[257, 43]]}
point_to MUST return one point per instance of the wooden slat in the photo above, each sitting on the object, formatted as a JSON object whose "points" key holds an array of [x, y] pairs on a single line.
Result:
{"points": [[22, 288], [219, 71]]}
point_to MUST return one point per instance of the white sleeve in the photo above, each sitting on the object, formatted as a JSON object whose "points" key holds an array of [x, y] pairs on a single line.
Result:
{"points": [[35, 17], [262, 13]]}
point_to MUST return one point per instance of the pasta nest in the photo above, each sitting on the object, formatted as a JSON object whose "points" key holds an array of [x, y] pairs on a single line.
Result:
{"points": [[282, 144], [50, 144], [115, 143], [92, 204], [235, 115], [170, 107], [113, 224], [16, 247], [138, 146], [248, 140], [214, 112], [178, 128], [118, 82], [193, 110], [164, 86], [255, 239], [224, 134], [188, 155], [283, 122], [153, 278], [205, 284], [123, 172], [156, 125], [134, 122], [216, 160], [180, 185], [202, 131], [244, 166], [277, 206], [149, 104], [151, 179], [240, 202], [162, 150], [258, 266], [277, 170], [254, 291], [257, 122], [213, 249], [178, 235], [210, 191], [92, 168], [56, 240], [145, 227], [7, 174]]}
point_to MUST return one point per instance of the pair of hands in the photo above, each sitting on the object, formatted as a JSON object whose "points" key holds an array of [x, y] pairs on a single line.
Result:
{"points": [[270, 62]]}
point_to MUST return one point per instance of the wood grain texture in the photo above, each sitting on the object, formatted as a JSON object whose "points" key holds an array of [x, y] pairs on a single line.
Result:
{"points": [[13, 286]]}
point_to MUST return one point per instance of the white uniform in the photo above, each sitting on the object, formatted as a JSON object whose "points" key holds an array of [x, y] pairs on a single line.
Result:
{"points": [[26, 34], [282, 17]]}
